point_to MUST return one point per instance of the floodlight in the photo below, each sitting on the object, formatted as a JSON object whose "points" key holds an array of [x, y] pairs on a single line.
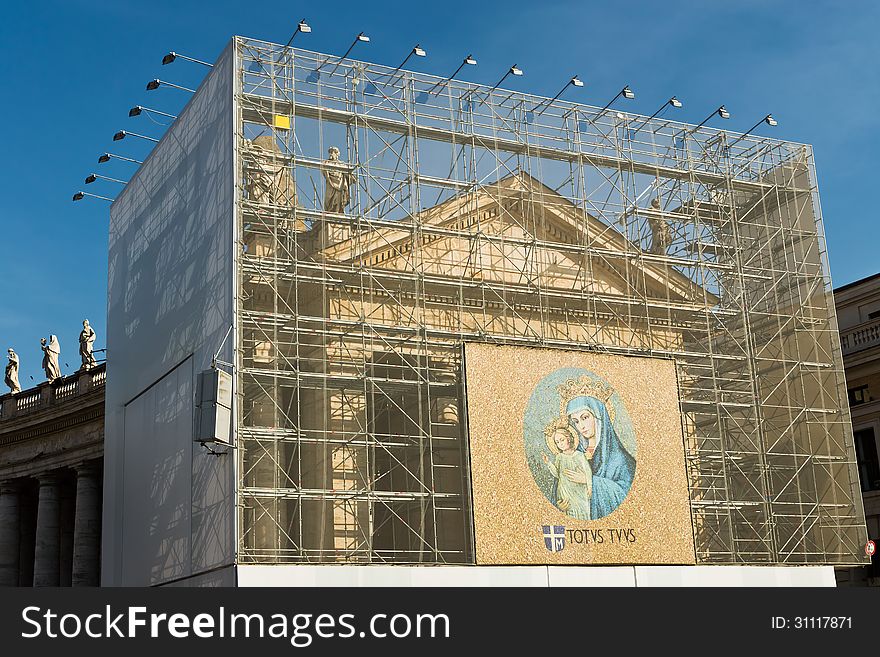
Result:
{"points": [[303, 27], [122, 134], [467, 61], [170, 57], [626, 92], [137, 110], [79, 196], [575, 82], [417, 50], [92, 177], [672, 102], [721, 111], [105, 157], [360, 37], [513, 70], [769, 120], [155, 84]]}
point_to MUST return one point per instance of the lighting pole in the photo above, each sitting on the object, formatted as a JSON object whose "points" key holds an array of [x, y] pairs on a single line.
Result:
{"points": [[122, 134], [769, 120], [137, 110], [417, 50], [626, 92], [672, 102], [105, 157], [721, 111], [303, 27], [170, 57], [360, 38], [514, 70], [574, 82], [80, 195], [467, 61], [92, 177], [155, 84]]}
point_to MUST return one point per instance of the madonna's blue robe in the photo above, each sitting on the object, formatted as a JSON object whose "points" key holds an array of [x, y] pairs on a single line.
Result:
{"points": [[613, 467]]}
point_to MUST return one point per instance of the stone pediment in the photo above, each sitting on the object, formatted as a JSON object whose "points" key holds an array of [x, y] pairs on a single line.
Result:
{"points": [[531, 235]]}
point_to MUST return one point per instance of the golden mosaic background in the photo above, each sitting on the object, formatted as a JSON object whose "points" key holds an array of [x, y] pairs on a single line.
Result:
{"points": [[509, 508]]}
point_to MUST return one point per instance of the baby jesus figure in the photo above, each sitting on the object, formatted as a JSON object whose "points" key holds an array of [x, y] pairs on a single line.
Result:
{"points": [[570, 468]]}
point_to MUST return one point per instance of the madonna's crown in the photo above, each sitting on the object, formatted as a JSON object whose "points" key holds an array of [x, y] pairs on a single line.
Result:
{"points": [[584, 386]]}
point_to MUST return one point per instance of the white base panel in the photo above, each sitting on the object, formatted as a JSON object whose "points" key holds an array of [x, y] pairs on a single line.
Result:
{"points": [[543, 576]]}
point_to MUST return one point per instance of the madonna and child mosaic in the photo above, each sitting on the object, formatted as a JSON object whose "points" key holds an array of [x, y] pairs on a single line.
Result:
{"points": [[576, 457], [579, 443]]}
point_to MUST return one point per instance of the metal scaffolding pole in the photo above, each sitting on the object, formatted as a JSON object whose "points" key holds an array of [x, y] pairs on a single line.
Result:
{"points": [[472, 217]]}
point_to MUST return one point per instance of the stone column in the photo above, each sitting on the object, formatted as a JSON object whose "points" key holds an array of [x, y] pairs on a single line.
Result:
{"points": [[27, 520], [87, 525], [67, 519], [10, 512], [47, 555]]}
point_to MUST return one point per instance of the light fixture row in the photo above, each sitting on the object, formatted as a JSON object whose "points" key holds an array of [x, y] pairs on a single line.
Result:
{"points": [[304, 28]]}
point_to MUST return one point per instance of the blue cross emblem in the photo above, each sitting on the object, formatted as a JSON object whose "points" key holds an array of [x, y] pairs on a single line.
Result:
{"points": [[554, 537]]}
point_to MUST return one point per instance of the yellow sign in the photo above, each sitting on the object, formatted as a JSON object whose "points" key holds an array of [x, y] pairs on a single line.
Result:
{"points": [[282, 122], [576, 458]]}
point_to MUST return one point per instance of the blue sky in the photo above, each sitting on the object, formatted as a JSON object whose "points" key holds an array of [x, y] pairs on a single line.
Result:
{"points": [[72, 69]]}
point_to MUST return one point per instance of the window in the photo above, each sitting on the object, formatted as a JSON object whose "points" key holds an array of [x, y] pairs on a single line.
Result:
{"points": [[859, 395], [868, 461]]}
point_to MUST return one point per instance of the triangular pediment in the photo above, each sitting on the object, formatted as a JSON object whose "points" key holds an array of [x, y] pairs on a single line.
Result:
{"points": [[531, 235]]}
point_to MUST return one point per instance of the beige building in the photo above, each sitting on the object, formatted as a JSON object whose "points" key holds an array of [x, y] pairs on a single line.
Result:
{"points": [[51, 452], [858, 313]]}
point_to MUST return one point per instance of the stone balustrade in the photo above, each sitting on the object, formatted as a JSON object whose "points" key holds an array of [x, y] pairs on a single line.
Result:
{"points": [[860, 337], [47, 394]]}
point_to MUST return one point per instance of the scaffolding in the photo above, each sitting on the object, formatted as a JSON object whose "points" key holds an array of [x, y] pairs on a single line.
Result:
{"points": [[480, 214]]}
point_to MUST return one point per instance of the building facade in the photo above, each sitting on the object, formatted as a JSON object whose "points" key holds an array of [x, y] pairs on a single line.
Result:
{"points": [[51, 471], [331, 233], [858, 313]]}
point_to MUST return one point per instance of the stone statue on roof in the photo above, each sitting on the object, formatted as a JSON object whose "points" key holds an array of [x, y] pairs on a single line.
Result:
{"points": [[338, 178], [269, 180], [661, 235], [86, 346], [12, 372], [51, 352]]}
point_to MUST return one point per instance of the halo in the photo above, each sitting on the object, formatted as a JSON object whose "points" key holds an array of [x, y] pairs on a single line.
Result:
{"points": [[558, 424]]}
